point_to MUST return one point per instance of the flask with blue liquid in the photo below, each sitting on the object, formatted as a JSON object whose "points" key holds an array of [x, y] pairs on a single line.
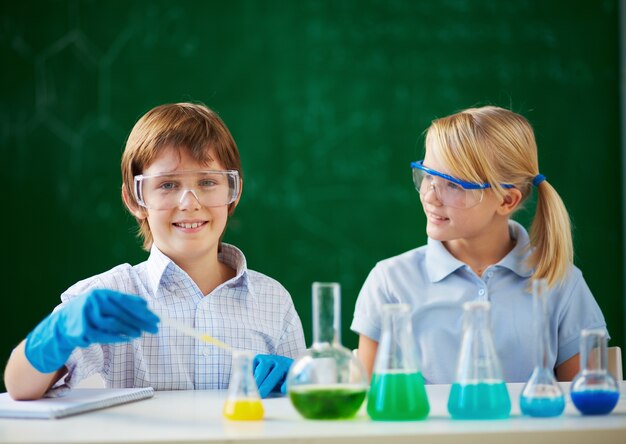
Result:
{"points": [[479, 391], [542, 396], [594, 391]]}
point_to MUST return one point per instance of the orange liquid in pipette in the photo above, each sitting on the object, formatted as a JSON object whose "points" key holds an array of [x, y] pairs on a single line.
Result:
{"points": [[243, 409]]}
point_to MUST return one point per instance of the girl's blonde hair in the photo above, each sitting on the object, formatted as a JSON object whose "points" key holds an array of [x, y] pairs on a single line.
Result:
{"points": [[184, 126], [497, 146]]}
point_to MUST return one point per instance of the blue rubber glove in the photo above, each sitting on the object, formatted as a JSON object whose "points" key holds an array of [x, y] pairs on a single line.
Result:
{"points": [[99, 316], [270, 372]]}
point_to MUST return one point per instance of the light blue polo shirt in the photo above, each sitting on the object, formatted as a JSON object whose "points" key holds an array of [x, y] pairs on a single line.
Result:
{"points": [[436, 284]]}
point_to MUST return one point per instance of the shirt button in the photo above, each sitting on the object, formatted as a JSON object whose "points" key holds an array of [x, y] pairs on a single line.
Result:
{"points": [[490, 274], [481, 292], [206, 351]]}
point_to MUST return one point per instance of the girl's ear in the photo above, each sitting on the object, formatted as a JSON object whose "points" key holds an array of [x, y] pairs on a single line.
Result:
{"points": [[136, 210], [512, 199]]}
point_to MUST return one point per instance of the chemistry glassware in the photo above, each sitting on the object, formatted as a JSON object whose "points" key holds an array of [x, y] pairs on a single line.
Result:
{"points": [[594, 390], [243, 402], [542, 394], [397, 390], [479, 391], [327, 381]]}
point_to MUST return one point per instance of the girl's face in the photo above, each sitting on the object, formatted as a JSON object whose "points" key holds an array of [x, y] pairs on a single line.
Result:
{"points": [[189, 231], [444, 223]]}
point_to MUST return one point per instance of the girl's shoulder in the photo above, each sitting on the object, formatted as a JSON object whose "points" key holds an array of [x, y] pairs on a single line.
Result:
{"points": [[412, 259]]}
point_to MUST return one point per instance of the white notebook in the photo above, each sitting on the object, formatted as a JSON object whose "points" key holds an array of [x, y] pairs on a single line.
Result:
{"points": [[73, 402]]}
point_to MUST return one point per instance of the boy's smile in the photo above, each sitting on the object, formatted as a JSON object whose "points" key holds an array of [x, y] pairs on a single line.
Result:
{"points": [[190, 227]]}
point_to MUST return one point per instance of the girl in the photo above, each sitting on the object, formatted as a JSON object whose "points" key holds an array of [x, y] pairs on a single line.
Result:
{"points": [[480, 165]]}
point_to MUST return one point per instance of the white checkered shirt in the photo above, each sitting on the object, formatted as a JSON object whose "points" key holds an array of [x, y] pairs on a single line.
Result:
{"points": [[250, 311]]}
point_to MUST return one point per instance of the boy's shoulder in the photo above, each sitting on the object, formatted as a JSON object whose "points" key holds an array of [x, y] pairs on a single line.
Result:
{"points": [[259, 283], [262, 283], [122, 277]]}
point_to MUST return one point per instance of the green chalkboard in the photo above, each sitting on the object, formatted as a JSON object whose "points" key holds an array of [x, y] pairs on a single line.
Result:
{"points": [[326, 100]]}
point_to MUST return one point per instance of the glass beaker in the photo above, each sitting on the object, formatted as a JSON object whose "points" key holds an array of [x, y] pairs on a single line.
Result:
{"points": [[542, 395], [243, 402], [479, 391], [327, 381], [594, 390], [397, 390]]}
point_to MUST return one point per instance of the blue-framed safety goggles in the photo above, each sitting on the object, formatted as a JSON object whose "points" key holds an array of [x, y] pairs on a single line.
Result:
{"points": [[450, 190]]}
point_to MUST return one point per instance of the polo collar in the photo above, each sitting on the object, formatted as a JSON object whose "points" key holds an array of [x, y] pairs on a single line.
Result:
{"points": [[440, 263], [516, 259], [161, 268]]}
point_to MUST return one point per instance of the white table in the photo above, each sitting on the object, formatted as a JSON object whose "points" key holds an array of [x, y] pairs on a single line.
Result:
{"points": [[195, 416]]}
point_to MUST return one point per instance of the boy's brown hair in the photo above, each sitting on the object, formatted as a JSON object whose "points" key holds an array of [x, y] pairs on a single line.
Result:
{"points": [[184, 126]]}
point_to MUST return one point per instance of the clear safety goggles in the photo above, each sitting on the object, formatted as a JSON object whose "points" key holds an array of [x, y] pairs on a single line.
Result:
{"points": [[211, 188], [450, 191]]}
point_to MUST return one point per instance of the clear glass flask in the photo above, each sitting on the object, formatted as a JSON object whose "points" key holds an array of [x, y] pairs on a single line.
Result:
{"points": [[594, 391], [479, 391], [397, 390], [542, 395], [327, 381], [243, 402]]}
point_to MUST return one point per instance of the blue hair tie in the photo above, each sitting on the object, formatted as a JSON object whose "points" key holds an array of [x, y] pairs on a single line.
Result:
{"points": [[538, 179]]}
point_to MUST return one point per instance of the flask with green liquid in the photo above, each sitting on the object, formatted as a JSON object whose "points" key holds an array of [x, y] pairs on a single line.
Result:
{"points": [[397, 390], [327, 381]]}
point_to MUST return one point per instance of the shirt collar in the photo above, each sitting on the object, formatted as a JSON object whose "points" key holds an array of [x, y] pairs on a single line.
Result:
{"points": [[516, 259], [160, 266], [440, 263]]}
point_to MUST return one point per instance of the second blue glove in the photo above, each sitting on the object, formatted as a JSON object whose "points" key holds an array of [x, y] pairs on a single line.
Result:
{"points": [[270, 372]]}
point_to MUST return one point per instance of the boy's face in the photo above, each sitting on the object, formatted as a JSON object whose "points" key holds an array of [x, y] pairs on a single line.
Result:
{"points": [[189, 232]]}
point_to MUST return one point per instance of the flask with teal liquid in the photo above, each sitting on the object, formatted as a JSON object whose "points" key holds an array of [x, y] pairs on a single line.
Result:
{"points": [[479, 391], [397, 391]]}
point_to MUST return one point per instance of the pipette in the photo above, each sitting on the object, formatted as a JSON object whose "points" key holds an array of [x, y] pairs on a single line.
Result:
{"points": [[193, 332]]}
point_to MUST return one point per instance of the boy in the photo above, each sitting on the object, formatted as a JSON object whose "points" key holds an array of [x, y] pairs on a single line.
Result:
{"points": [[181, 176]]}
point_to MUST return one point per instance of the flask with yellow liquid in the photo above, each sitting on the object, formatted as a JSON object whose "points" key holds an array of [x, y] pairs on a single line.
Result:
{"points": [[243, 402]]}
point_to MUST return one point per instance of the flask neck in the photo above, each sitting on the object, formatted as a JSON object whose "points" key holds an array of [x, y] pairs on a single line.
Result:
{"points": [[478, 359], [396, 349], [540, 315], [326, 313], [593, 351], [242, 383], [476, 318]]}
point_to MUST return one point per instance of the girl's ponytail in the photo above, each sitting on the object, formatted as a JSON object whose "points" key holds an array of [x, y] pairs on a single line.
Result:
{"points": [[552, 249]]}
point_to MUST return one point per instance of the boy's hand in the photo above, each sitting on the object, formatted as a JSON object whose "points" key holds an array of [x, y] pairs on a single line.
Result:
{"points": [[270, 372], [99, 316]]}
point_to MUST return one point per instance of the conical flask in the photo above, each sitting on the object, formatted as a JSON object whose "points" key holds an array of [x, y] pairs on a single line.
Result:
{"points": [[243, 402], [542, 395], [479, 391], [594, 391], [397, 390], [327, 381]]}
